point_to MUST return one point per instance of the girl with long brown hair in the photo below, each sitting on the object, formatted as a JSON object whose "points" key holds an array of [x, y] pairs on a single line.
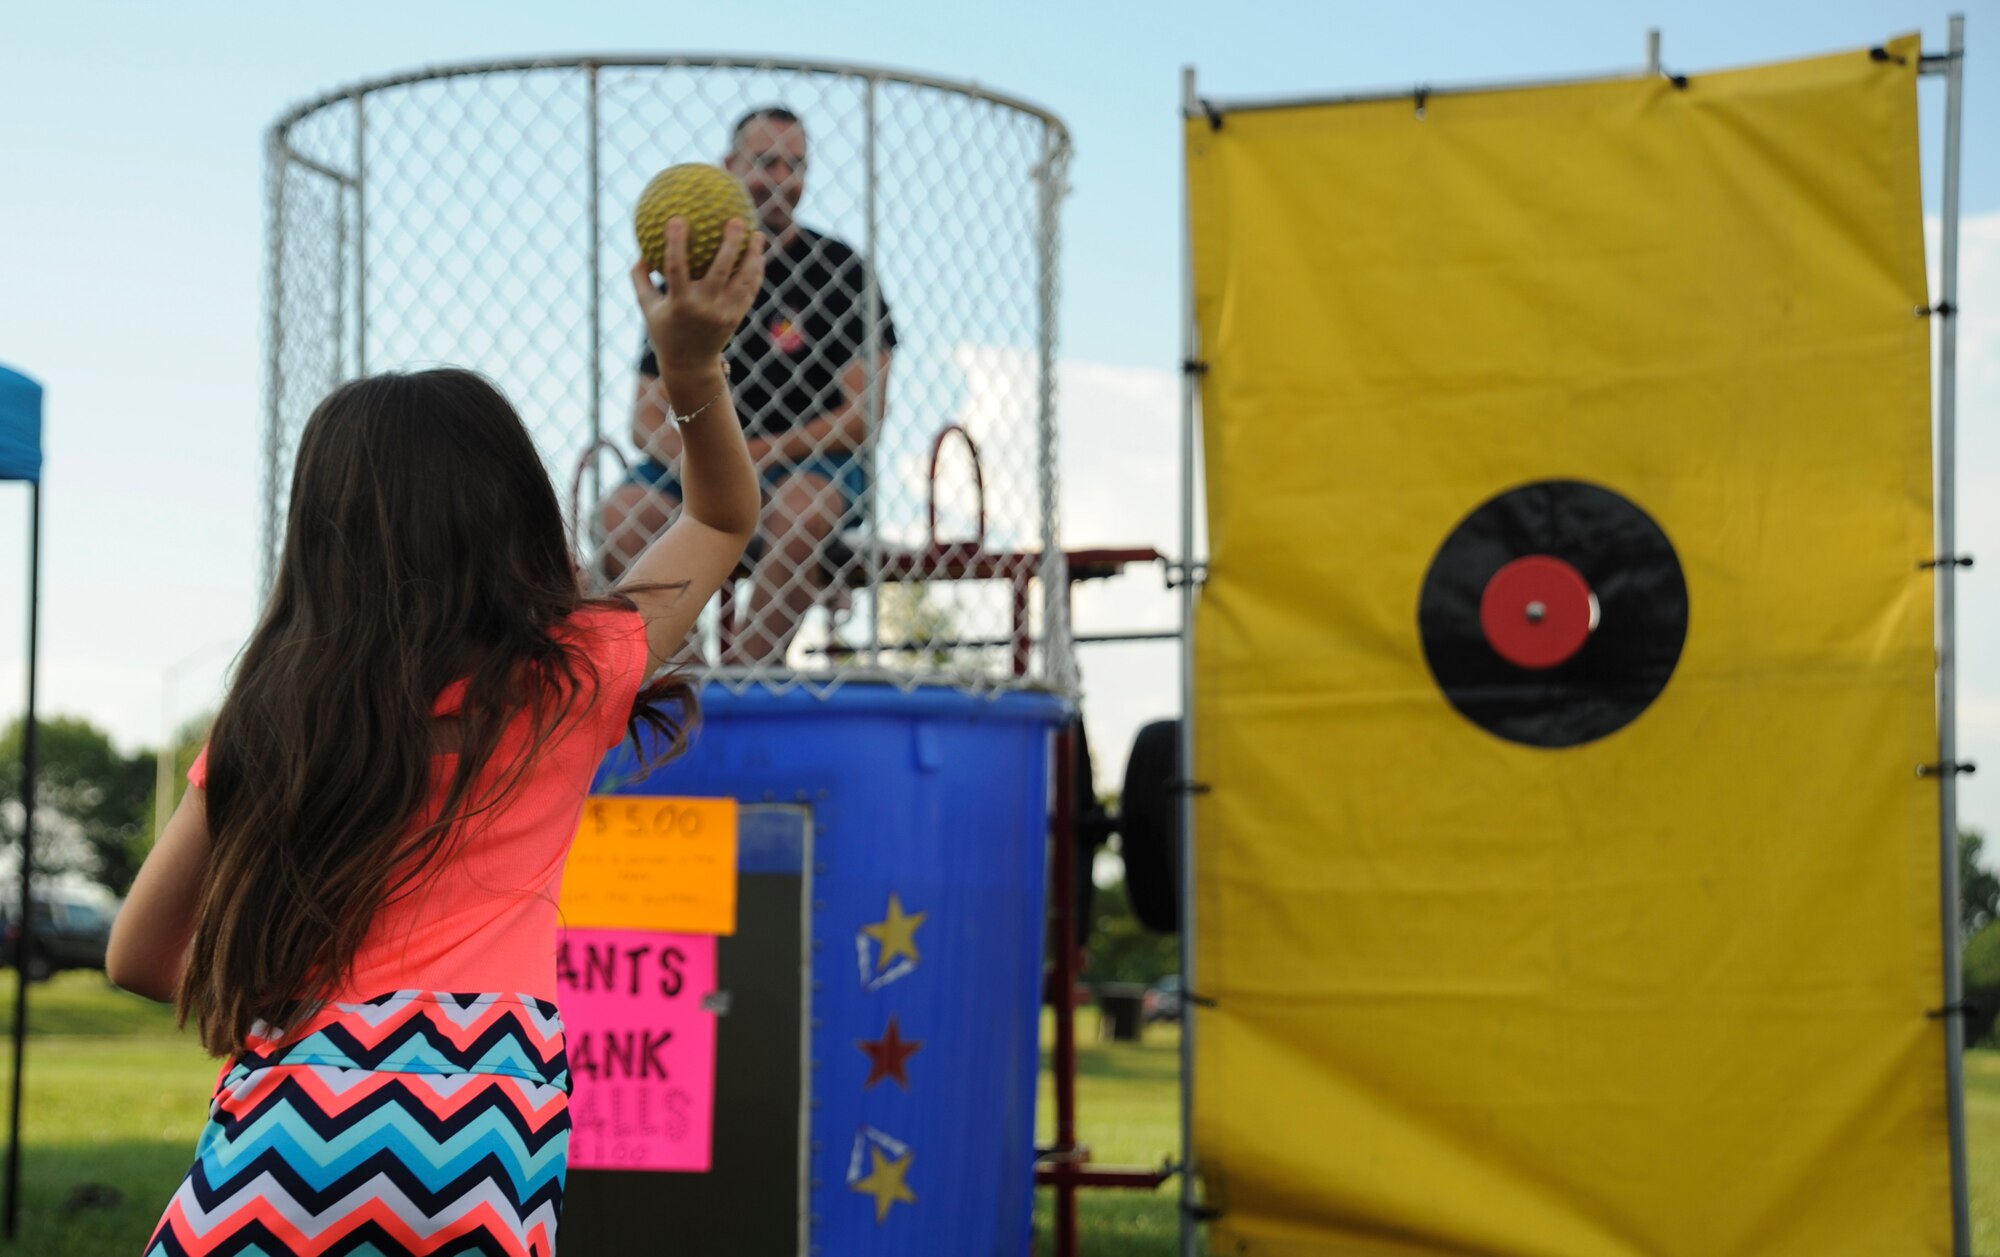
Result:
{"points": [[356, 900]]}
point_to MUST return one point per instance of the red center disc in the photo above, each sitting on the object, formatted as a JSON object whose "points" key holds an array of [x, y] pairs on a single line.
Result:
{"points": [[1537, 612]]}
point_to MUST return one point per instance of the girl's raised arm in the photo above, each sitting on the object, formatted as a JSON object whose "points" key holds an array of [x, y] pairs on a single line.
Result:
{"points": [[690, 325]]}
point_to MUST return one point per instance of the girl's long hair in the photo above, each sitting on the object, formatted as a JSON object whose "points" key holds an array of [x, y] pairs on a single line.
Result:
{"points": [[424, 544]]}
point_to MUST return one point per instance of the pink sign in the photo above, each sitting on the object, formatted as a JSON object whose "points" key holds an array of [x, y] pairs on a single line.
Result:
{"points": [[641, 1048]]}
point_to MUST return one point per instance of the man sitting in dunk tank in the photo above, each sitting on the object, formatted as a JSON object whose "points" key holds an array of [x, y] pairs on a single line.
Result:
{"points": [[800, 370]]}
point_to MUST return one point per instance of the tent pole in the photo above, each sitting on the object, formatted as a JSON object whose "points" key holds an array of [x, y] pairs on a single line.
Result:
{"points": [[30, 756]]}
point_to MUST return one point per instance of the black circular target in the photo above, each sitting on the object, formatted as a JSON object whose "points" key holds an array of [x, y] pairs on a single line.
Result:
{"points": [[1554, 614]]}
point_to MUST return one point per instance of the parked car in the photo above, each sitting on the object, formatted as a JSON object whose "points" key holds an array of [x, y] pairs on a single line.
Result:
{"points": [[1163, 999], [71, 930]]}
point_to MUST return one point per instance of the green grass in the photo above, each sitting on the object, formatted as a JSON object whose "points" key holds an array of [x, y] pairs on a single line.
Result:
{"points": [[1982, 1147], [116, 1097], [1128, 1114]]}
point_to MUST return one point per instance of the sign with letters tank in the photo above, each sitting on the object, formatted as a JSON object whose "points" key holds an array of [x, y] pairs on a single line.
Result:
{"points": [[640, 1032]]}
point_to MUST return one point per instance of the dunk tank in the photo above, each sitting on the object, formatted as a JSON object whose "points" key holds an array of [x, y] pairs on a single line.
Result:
{"points": [[802, 970]]}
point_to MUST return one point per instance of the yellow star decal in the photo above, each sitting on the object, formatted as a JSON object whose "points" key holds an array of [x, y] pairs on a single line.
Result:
{"points": [[885, 1183], [897, 933]]}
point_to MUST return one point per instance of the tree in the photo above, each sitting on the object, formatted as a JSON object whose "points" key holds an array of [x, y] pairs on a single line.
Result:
{"points": [[1978, 886], [93, 805], [915, 624], [1121, 949], [1982, 983], [1979, 932]]}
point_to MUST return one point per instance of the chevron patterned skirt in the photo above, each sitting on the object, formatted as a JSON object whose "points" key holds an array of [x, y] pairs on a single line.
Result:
{"points": [[412, 1123]]}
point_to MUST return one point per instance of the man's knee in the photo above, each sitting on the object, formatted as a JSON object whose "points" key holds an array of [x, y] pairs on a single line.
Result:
{"points": [[805, 511], [619, 503], [633, 515]]}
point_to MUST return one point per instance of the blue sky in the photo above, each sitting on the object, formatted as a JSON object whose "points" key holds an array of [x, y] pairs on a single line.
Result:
{"points": [[131, 235]]}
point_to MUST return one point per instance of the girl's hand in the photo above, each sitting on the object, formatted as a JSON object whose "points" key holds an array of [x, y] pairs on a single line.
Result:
{"points": [[690, 324]]}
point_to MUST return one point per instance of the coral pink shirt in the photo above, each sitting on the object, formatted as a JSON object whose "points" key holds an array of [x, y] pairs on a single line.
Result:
{"points": [[486, 920]]}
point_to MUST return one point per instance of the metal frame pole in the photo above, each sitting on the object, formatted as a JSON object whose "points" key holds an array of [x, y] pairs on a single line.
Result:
{"points": [[338, 290], [360, 236], [278, 156], [871, 389], [1058, 659], [1946, 311], [1062, 981], [163, 760], [1190, 1010], [594, 368], [30, 766]]}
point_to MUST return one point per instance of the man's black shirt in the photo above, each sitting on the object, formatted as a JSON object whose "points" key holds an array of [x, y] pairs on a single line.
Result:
{"points": [[809, 321]]}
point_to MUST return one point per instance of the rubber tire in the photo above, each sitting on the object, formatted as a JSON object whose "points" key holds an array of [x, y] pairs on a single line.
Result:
{"points": [[39, 968], [1149, 827]]}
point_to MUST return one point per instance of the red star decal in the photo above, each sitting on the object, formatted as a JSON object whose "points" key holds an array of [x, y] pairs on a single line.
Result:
{"points": [[889, 1056]]}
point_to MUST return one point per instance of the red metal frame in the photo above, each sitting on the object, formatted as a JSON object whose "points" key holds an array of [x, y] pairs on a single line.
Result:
{"points": [[1067, 1155], [978, 480], [968, 560], [1065, 1165]]}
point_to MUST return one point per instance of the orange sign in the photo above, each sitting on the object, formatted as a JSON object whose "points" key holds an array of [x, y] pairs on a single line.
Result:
{"points": [[644, 862]]}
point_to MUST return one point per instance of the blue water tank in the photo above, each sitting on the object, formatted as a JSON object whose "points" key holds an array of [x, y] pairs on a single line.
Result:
{"points": [[921, 875]]}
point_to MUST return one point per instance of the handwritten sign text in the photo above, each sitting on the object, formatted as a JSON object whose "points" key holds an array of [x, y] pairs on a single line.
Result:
{"points": [[645, 862]]}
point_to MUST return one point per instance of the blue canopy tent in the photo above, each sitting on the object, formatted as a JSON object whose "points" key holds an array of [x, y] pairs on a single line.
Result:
{"points": [[21, 459]]}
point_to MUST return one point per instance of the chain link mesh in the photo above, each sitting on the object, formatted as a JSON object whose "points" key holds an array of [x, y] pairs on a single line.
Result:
{"points": [[481, 216]]}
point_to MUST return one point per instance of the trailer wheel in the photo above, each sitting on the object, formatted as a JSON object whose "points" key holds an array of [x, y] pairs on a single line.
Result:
{"points": [[1149, 826]]}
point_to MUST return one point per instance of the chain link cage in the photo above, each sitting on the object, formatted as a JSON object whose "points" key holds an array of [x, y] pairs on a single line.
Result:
{"points": [[481, 216]]}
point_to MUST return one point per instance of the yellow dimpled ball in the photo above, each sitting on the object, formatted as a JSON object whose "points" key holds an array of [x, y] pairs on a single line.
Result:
{"points": [[707, 196]]}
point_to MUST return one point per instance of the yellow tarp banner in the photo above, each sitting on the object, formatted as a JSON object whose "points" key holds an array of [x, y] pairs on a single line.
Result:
{"points": [[1662, 989]]}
